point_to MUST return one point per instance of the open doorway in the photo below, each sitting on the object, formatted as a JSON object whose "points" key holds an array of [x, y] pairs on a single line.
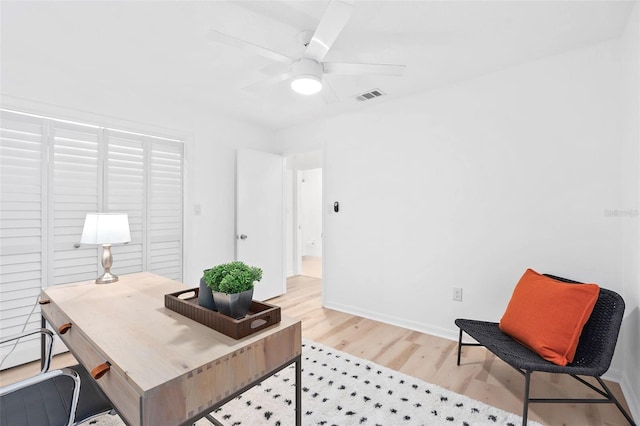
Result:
{"points": [[303, 215], [310, 221]]}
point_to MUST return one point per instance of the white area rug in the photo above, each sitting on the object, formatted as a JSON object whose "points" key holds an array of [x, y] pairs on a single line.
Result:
{"points": [[342, 390]]}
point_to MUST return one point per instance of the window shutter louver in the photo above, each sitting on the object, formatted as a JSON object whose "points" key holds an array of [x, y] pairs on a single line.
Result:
{"points": [[125, 192], [76, 191], [22, 225], [165, 208]]}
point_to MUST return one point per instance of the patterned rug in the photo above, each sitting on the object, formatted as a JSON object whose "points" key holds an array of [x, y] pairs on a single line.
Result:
{"points": [[343, 390]]}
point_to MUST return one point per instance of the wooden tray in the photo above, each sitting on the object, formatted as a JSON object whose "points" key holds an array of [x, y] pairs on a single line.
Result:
{"points": [[260, 316]]}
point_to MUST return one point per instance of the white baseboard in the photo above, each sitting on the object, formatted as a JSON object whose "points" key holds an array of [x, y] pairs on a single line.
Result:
{"points": [[633, 400], [449, 334], [613, 375]]}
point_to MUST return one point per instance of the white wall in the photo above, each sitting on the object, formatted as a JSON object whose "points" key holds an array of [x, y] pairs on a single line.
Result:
{"points": [[211, 236], [310, 184], [469, 185], [289, 223], [630, 164]]}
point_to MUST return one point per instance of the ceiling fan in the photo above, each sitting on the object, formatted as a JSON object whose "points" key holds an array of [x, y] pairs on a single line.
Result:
{"points": [[306, 72]]}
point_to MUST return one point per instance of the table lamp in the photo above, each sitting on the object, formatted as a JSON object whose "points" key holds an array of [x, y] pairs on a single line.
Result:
{"points": [[106, 229]]}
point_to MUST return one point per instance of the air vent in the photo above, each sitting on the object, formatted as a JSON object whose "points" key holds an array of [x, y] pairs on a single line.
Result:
{"points": [[375, 93]]}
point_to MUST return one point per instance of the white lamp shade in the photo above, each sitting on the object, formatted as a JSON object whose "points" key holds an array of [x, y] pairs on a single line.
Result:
{"points": [[106, 228]]}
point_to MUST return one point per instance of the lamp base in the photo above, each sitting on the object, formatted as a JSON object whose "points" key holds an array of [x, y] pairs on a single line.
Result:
{"points": [[107, 260], [107, 278]]}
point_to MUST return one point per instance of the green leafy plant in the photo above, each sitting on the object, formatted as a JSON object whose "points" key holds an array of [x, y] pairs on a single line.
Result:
{"points": [[232, 277]]}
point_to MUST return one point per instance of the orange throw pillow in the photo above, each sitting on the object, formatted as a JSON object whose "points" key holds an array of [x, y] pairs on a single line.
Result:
{"points": [[548, 315]]}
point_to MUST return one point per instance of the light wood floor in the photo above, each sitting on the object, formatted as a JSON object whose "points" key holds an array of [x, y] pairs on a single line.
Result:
{"points": [[312, 266], [480, 376]]}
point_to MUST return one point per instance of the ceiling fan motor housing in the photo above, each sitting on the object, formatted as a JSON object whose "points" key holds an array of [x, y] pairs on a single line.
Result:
{"points": [[307, 76], [307, 67]]}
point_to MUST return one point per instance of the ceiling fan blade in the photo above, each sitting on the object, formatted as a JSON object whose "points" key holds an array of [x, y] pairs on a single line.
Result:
{"points": [[333, 21], [247, 46], [359, 69], [267, 83], [328, 94], [275, 68]]}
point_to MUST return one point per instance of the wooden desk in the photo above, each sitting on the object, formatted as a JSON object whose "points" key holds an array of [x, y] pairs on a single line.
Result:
{"points": [[165, 369]]}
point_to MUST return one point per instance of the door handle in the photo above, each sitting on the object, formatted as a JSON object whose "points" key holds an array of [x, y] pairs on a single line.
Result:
{"points": [[243, 237]]}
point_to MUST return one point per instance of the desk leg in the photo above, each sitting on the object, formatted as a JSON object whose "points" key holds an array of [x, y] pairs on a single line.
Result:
{"points": [[43, 343], [212, 420], [299, 391]]}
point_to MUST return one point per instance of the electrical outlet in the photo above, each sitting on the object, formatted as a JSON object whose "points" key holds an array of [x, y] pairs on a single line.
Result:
{"points": [[457, 294], [197, 209]]}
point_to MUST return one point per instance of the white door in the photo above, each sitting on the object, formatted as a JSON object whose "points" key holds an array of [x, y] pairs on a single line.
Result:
{"points": [[259, 219]]}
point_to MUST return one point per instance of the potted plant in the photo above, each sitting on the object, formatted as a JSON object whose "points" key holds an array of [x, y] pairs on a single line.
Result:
{"points": [[232, 287]]}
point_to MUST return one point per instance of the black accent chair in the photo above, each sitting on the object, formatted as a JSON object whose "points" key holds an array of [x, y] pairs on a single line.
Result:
{"points": [[593, 355], [67, 396]]}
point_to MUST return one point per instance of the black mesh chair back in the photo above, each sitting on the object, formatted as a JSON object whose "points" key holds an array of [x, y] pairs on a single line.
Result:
{"points": [[600, 334]]}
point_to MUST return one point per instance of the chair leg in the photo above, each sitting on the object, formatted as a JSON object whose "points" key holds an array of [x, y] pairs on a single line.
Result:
{"points": [[459, 345], [615, 401], [527, 383]]}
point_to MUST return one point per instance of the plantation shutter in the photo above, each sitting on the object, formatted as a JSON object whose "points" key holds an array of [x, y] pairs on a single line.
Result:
{"points": [[22, 227], [52, 174], [125, 184], [165, 208], [76, 190]]}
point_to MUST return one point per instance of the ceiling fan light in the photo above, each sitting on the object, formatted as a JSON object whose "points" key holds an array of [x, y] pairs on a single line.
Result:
{"points": [[306, 84]]}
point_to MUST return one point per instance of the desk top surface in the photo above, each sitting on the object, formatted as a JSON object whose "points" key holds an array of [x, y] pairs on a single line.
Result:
{"points": [[128, 322]]}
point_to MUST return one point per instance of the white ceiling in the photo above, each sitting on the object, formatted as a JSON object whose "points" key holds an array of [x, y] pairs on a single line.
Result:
{"points": [[160, 50]]}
